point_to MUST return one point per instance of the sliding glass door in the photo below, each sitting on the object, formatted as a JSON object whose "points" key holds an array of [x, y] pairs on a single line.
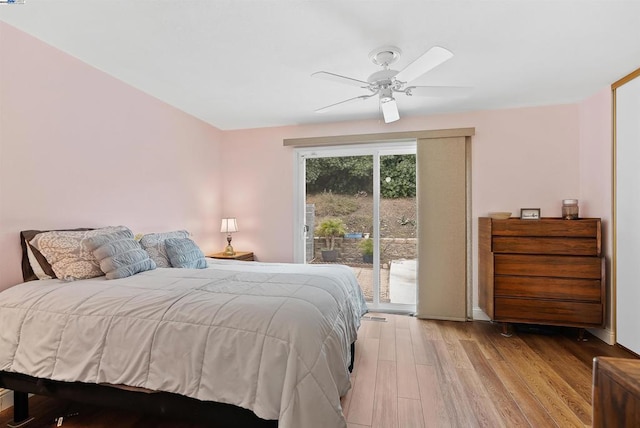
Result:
{"points": [[357, 206]]}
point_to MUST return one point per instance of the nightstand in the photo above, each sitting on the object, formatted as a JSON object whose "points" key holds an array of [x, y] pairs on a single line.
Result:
{"points": [[246, 256]]}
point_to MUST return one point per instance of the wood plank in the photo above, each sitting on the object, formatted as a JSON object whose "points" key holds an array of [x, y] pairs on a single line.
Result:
{"points": [[362, 331], [531, 407], [567, 366], [431, 397], [373, 329], [410, 413], [402, 322], [430, 330], [481, 404], [450, 336], [421, 354], [503, 402], [359, 352], [387, 351], [407, 381], [566, 407], [385, 410], [455, 399], [361, 406], [585, 351], [482, 330]]}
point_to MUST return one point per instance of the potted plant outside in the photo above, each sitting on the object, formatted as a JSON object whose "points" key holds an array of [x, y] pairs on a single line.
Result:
{"points": [[366, 247], [330, 229]]}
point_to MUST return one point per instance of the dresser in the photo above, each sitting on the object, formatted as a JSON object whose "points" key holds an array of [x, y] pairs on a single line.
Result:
{"points": [[547, 271]]}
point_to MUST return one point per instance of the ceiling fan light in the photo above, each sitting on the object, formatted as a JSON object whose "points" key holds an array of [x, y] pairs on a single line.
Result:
{"points": [[389, 110]]}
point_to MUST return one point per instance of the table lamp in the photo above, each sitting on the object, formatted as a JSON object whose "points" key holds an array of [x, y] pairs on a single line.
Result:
{"points": [[228, 226]]}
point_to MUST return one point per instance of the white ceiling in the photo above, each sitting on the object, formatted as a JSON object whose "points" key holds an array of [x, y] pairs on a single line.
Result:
{"points": [[247, 64]]}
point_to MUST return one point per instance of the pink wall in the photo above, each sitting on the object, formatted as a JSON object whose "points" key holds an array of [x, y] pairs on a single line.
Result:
{"points": [[596, 172], [527, 157], [80, 148]]}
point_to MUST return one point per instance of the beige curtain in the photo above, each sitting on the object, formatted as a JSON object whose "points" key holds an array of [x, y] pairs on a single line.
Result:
{"points": [[442, 228]]}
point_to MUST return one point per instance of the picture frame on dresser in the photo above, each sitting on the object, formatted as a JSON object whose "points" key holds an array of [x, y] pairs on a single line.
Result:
{"points": [[530, 213]]}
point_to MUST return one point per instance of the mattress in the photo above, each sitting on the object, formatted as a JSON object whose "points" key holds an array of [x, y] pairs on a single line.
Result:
{"points": [[271, 338]]}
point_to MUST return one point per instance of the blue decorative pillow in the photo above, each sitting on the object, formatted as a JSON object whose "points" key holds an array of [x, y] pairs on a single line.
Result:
{"points": [[119, 254], [184, 253], [153, 243]]}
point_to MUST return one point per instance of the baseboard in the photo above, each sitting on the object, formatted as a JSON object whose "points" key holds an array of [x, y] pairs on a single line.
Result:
{"points": [[6, 399], [479, 315], [604, 334]]}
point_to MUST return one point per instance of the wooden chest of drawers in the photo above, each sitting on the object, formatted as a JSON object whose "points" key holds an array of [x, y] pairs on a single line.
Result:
{"points": [[547, 271]]}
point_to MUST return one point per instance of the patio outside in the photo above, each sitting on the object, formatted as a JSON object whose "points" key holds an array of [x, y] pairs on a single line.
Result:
{"points": [[397, 284]]}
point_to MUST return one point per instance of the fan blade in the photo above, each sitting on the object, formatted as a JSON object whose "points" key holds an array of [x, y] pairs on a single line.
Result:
{"points": [[439, 91], [428, 61], [340, 79], [389, 110], [350, 100]]}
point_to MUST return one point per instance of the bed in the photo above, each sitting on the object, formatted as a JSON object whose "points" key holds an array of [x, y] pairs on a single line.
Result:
{"points": [[261, 342]]}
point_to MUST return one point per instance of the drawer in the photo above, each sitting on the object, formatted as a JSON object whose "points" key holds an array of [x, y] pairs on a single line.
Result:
{"points": [[585, 290], [551, 266], [587, 228], [539, 245], [548, 312]]}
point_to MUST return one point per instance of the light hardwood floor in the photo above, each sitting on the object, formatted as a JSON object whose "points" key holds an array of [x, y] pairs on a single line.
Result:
{"points": [[417, 373]]}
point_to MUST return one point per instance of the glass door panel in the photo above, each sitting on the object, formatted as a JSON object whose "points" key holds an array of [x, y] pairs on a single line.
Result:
{"points": [[339, 215], [360, 211], [398, 226]]}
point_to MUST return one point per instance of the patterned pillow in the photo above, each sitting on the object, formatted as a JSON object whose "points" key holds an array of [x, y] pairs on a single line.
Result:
{"points": [[69, 259], [119, 254], [34, 265], [184, 253], [153, 243]]}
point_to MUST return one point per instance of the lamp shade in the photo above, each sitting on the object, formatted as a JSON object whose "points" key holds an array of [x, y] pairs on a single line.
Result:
{"points": [[389, 110], [229, 225]]}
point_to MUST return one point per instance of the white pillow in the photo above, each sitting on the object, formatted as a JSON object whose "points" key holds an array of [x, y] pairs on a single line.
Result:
{"points": [[68, 258], [153, 243]]}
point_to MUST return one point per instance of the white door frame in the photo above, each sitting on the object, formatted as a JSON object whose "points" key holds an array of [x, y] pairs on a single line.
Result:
{"points": [[299, 233]]}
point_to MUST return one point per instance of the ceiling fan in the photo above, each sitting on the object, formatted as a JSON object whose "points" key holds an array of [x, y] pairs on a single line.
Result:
{"points": [[387, 82]]}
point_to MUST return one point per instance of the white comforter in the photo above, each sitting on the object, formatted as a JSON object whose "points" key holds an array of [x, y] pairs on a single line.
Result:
{"points": [[272, 338]]}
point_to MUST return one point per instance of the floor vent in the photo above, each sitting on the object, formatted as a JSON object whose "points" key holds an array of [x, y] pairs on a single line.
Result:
{"points": [[379, 319]]}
